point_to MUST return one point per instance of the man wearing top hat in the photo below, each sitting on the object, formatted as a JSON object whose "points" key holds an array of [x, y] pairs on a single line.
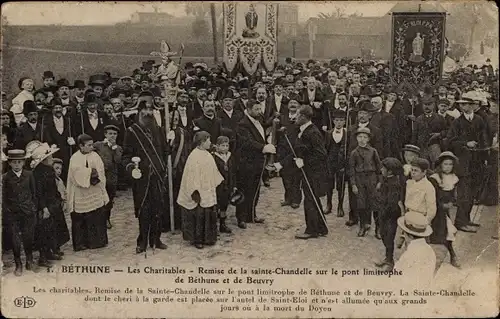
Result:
{"points": [[29, 130], [229, 119], [90, 120], [276, 106], [97, 83], [60, 131], [78, 96], [48, 79], [63, 91], [145, 151], [241, 102]]}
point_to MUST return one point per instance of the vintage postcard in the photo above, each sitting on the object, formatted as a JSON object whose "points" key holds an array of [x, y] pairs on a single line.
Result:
{"points": [[249, 159]]}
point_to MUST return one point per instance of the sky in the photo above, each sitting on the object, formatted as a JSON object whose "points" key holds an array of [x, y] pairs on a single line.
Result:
{"points": [[91, 13]]}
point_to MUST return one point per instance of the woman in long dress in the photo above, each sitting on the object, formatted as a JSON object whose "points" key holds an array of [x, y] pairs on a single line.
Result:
{"points": [[197, 194]]}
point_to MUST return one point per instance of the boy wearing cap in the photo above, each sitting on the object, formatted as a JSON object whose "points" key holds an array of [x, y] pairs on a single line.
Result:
{"points": [[364, 173], [467, 134], [19, 208], [391, 196], [111, 155]]}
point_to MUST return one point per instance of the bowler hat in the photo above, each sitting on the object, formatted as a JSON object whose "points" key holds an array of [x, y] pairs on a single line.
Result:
{"points": [[443, 102], [48, 75], [367, 106], [411, 148], [62, 82], [16, 155], [79, 84], [228, 94], [98, 79], [29, 106], [144, 96], [428, 100], [415, 224], [363, 130], [236, 197]]}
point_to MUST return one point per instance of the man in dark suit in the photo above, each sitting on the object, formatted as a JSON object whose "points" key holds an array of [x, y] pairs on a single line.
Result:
{"points": [[467, 134], [276, 106], [387, 123], [310, 156], [393, 105], [229, 119], [312, 96], [60, 131], [197, 103], [29, 130], [63, 91], [89, 120], [252, 147], [208, 122], [291, 176], [186, 114]]}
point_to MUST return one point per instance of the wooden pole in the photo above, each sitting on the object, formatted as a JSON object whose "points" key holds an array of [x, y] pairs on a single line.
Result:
{"points": [[169, 161], [214, 31]]}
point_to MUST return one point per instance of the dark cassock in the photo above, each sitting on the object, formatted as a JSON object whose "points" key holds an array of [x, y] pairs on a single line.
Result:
{"points": [[253, 149], [394, 106], [311, 156], [464, 130], [146, 144], [411, 107], [53, 231], [429, 130], [29, 130]]}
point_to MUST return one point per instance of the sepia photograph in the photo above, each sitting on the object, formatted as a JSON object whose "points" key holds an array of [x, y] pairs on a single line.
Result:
{"points": [[273, 159]]}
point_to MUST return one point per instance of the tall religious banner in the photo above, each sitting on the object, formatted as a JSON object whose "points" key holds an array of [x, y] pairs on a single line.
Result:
{"points": [[418, 48], [250, 35]]}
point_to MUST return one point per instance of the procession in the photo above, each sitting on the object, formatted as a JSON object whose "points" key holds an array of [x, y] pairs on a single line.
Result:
{"points": [[398, 153]]}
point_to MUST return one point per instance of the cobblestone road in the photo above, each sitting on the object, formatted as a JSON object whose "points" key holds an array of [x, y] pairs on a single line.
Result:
{"points": [[260, 245]]}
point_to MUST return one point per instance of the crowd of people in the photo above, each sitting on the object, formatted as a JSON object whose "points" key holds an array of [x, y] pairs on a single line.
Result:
{"points": [[401, 152]]}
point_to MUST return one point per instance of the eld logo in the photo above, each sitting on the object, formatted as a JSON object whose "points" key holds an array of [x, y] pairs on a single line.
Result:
{"points": [[24, 302]]}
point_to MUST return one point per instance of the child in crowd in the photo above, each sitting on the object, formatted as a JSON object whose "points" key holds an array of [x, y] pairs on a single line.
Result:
{"points": [[445, 181], [420, 195], [19, 207], [391, 192], [336, 140], [364, 172], [410, 152], [57, 165], [225, 165]]}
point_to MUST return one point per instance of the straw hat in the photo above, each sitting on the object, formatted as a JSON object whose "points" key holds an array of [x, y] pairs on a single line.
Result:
{"points": [[415, 224], [41, 152]]}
